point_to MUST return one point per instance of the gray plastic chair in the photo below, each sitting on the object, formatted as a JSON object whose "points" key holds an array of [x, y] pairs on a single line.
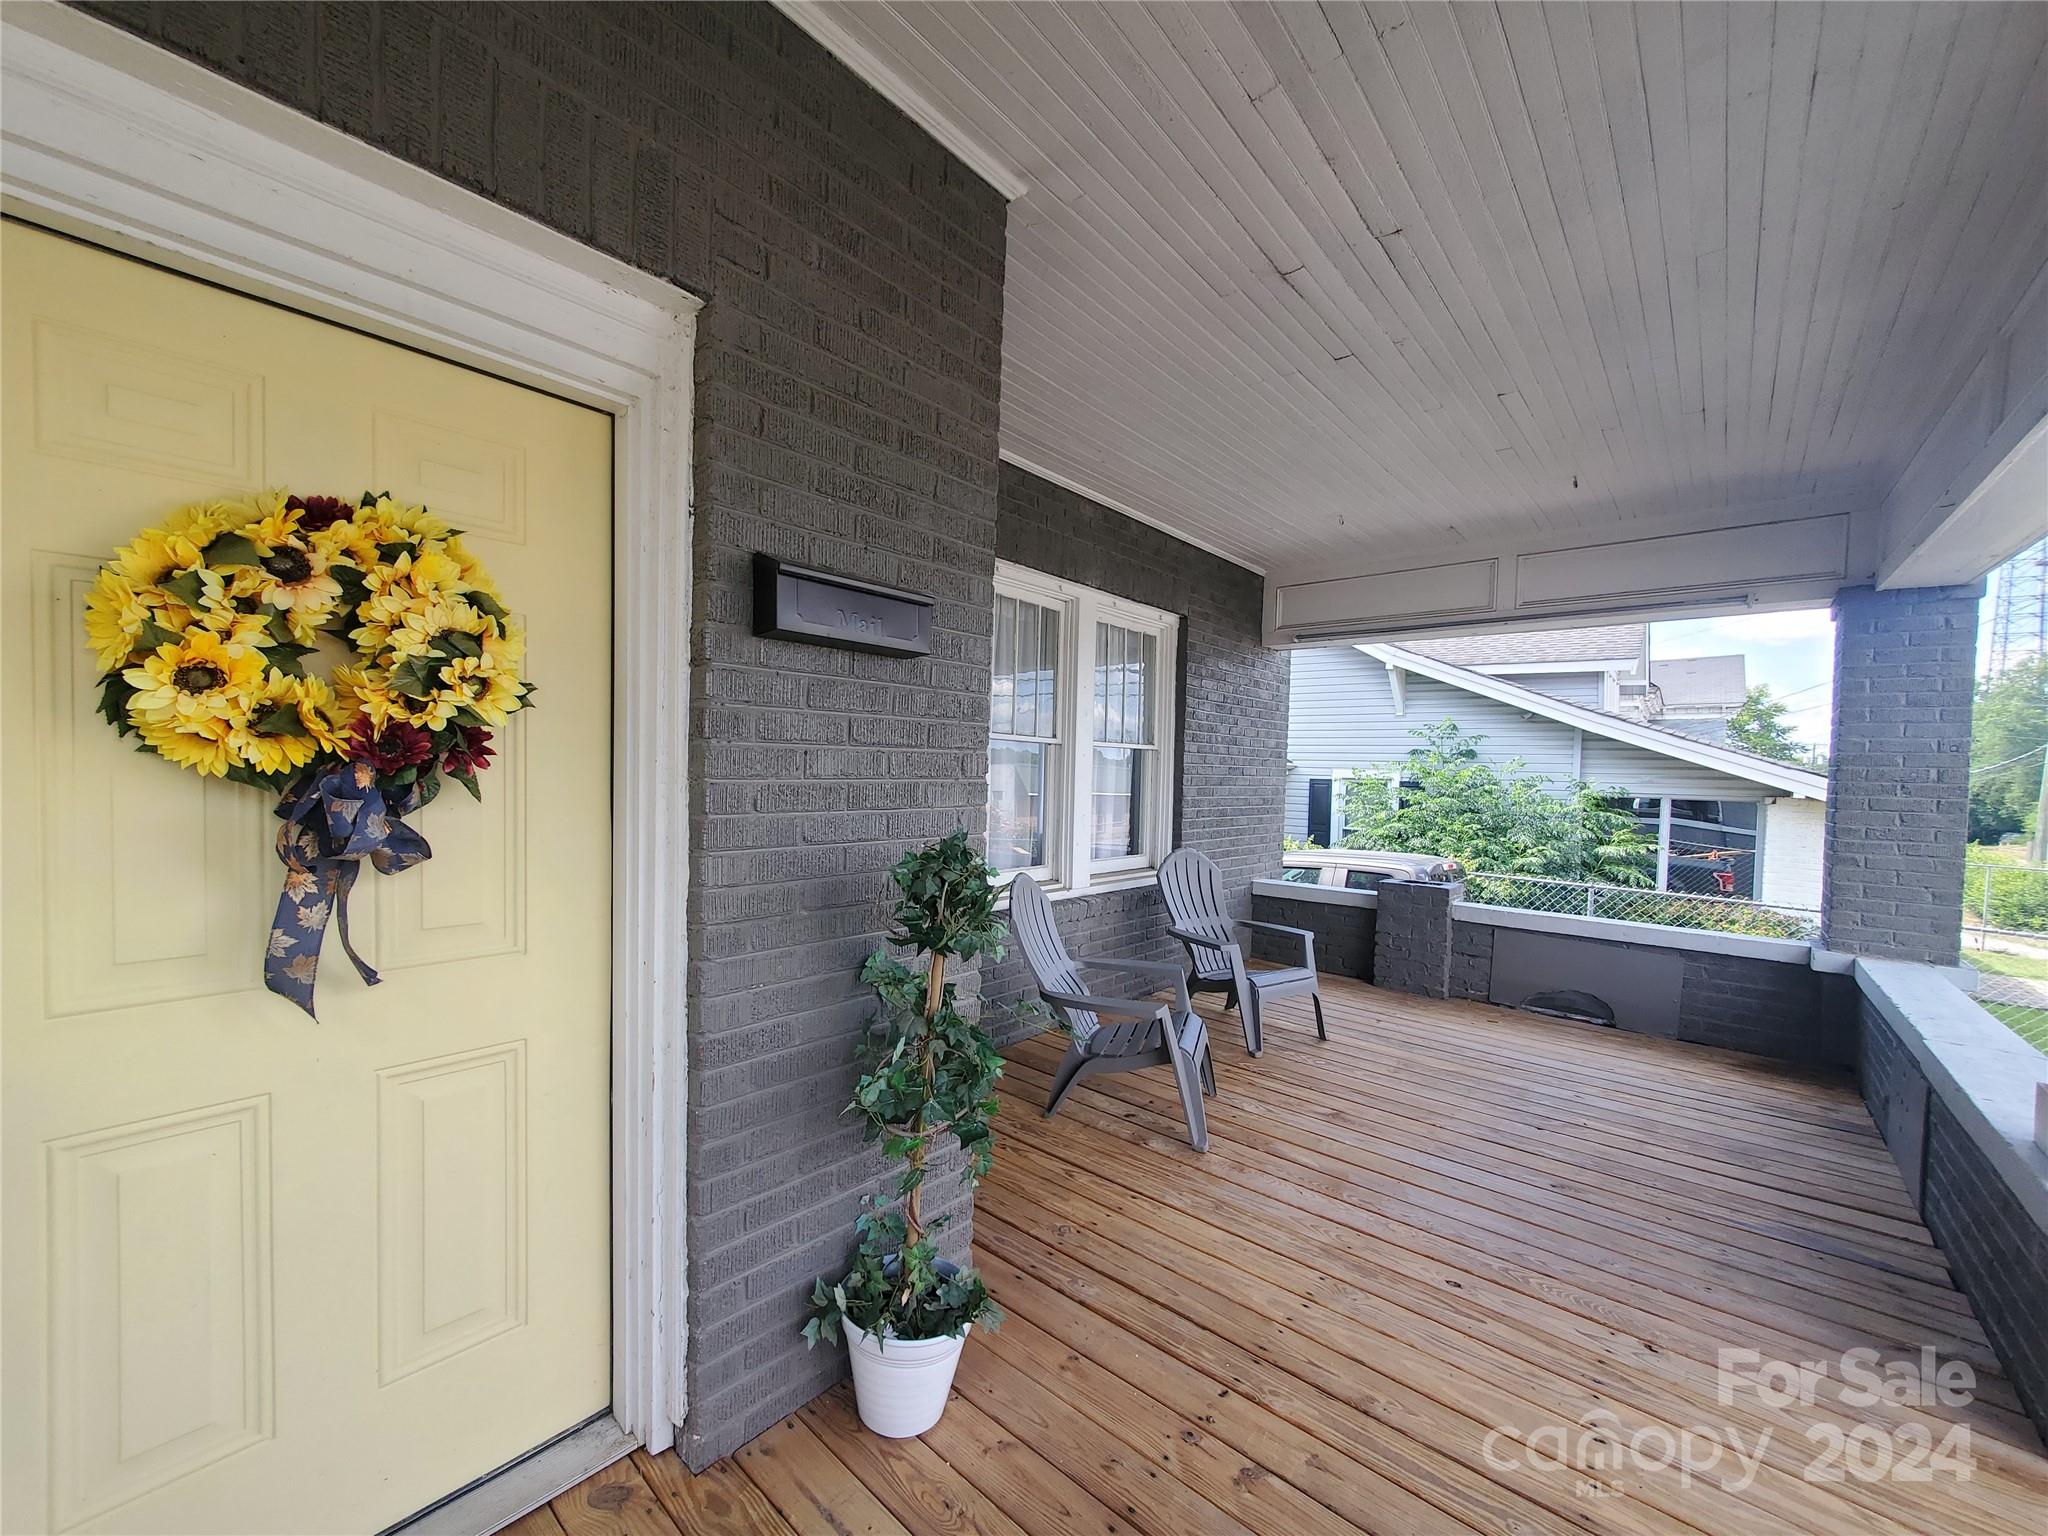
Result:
{"points": [[1113, 1034], [1193, 888]]}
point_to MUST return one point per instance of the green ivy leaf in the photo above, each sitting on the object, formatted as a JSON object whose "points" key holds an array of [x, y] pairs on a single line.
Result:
{"points": [[233, 549], [279, 720], [187, 587], [153, 635]]}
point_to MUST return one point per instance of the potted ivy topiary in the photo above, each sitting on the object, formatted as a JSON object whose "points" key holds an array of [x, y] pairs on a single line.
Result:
{"points": [[927, 1073]]}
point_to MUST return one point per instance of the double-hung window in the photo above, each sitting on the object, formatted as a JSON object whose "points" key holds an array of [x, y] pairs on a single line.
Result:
{"points": [[1080, 774]]}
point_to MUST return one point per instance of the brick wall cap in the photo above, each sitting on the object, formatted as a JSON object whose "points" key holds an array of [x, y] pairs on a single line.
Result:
{"points": [[1984, 1074], [1328, 895], [1654, 935]]}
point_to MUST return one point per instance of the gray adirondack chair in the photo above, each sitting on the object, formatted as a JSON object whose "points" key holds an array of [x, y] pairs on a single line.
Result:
{"points": [[1193, 888], [1113, 1034]]}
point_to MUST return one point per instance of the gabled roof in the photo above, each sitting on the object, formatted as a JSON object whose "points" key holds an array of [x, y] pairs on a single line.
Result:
{"points": [[1785, 778], [1599, 642]]}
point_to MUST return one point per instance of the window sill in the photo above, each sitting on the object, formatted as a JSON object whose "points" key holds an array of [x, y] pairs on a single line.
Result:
{"points": [[1109, 885]]}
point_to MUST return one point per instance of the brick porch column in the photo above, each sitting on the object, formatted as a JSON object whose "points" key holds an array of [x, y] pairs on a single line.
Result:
{"points": [[1899, 772], [1412, 936]]}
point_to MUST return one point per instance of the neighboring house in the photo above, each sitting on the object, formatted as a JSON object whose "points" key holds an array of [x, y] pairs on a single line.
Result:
{"points": [[1728, 821], [1692, 695]]}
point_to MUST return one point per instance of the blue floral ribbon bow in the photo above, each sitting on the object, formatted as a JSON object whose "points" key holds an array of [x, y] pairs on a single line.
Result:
{"points": [[333, 820]]}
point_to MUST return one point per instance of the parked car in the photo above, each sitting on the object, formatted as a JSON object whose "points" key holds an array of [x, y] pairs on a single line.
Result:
{"points": [[1360, 869]]}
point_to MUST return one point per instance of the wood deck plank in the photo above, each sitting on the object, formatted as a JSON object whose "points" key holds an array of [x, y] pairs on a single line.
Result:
{"points": [[1448, 1218], [720, 1498]]}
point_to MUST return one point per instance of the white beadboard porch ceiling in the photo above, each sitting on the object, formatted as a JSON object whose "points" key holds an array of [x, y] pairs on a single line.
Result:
{"points": [[1294, 280]]}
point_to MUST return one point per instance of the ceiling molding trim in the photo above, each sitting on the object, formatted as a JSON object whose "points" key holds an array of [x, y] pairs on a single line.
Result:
{"points": [[984, 161], [1067, 482]]}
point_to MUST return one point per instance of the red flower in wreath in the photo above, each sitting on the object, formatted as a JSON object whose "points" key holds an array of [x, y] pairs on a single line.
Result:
{"points": [[470, 753], [392, 750], [319, 512]]}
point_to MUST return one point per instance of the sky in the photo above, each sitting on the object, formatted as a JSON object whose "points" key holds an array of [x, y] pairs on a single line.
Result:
{"points": [[1793, 653]]}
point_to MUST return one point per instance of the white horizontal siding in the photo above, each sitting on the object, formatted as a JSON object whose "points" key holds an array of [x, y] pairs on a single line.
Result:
{"points": [[1644, 772], [1342, 717], [1792, 833], [1573, 687]]}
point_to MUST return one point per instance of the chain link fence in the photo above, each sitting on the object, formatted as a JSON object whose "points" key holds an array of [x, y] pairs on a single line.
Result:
{"points": [[1668, 909], [2005, 940]]}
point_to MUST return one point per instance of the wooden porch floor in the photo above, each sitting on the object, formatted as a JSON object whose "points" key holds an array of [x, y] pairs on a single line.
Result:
{"points": [[1447, 1219]]}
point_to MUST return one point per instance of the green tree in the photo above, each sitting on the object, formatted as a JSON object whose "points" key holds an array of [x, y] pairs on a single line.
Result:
{"points": [[2007, 733], [1758, 726], [1502, 820]]}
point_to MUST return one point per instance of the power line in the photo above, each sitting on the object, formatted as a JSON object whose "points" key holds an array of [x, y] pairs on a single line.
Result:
{"points": [[1994, 767]]}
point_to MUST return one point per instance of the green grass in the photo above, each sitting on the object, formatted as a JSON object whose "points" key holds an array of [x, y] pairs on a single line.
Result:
{"points": [[1996, 853], [1999, 963], [2030, 1024]]}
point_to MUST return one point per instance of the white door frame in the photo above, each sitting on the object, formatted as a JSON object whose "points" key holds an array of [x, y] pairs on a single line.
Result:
{"points": [[113, 139]]}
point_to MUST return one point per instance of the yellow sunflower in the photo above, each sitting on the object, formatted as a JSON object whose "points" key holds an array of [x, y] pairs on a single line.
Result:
{"points": [[383, 522], [474, 578], [476, 683], [114, 616], [425, 623], [271, 521], [320, 720], [199, 744], [155, 556], [205, 520], [196, 678], [367, 691]]}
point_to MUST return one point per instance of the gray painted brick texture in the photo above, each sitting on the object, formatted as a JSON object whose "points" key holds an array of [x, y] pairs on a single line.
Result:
{"points": [[1231, 705], [1898, 778], [846, 401], [1997, 1251], [1412, 937], [1344, 935]]}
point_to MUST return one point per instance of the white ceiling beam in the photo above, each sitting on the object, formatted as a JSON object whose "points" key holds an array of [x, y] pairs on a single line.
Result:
{"points": [[1976, 492]]}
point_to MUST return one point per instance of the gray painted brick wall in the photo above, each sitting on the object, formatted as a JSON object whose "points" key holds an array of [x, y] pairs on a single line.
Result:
{"points": [[1471, 961], [1412, 939], [1344, 935], [1898, 779], [1735, 1002], [1997, 1252], [1231, 704], [847, 382]]}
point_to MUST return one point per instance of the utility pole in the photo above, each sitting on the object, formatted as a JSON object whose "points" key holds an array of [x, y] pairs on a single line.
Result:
{"points": [[2037, 850]]}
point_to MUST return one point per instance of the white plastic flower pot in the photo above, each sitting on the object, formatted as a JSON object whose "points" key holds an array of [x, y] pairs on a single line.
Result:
{"points": [[900, 1385]]}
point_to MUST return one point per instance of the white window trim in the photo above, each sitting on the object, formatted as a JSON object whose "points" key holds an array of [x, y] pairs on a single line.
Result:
{"points": [[1069, 869]]}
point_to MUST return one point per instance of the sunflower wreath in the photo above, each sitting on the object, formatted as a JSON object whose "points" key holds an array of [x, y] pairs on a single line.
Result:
{"points": [[203, 626]]}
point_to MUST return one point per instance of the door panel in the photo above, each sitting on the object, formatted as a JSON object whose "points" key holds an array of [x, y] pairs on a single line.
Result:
{"points": [[264, 1274]]}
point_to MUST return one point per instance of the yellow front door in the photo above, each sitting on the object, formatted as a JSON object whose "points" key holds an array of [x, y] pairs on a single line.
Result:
{"points": [[263, 1274]]}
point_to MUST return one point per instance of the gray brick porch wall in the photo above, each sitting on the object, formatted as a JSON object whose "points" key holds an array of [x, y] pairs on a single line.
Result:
{"points": [[1899, 772], [1343, 934], [847, 382], [1998, 1252], [1412, 938], [1231, 705]]}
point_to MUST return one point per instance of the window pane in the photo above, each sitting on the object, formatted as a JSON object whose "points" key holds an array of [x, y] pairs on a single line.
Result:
{"points": [[1002, 697], [1125, 689], [1117, 813], [1016, 803], [1102, 683], [1028, 723], [1048, 668]]}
